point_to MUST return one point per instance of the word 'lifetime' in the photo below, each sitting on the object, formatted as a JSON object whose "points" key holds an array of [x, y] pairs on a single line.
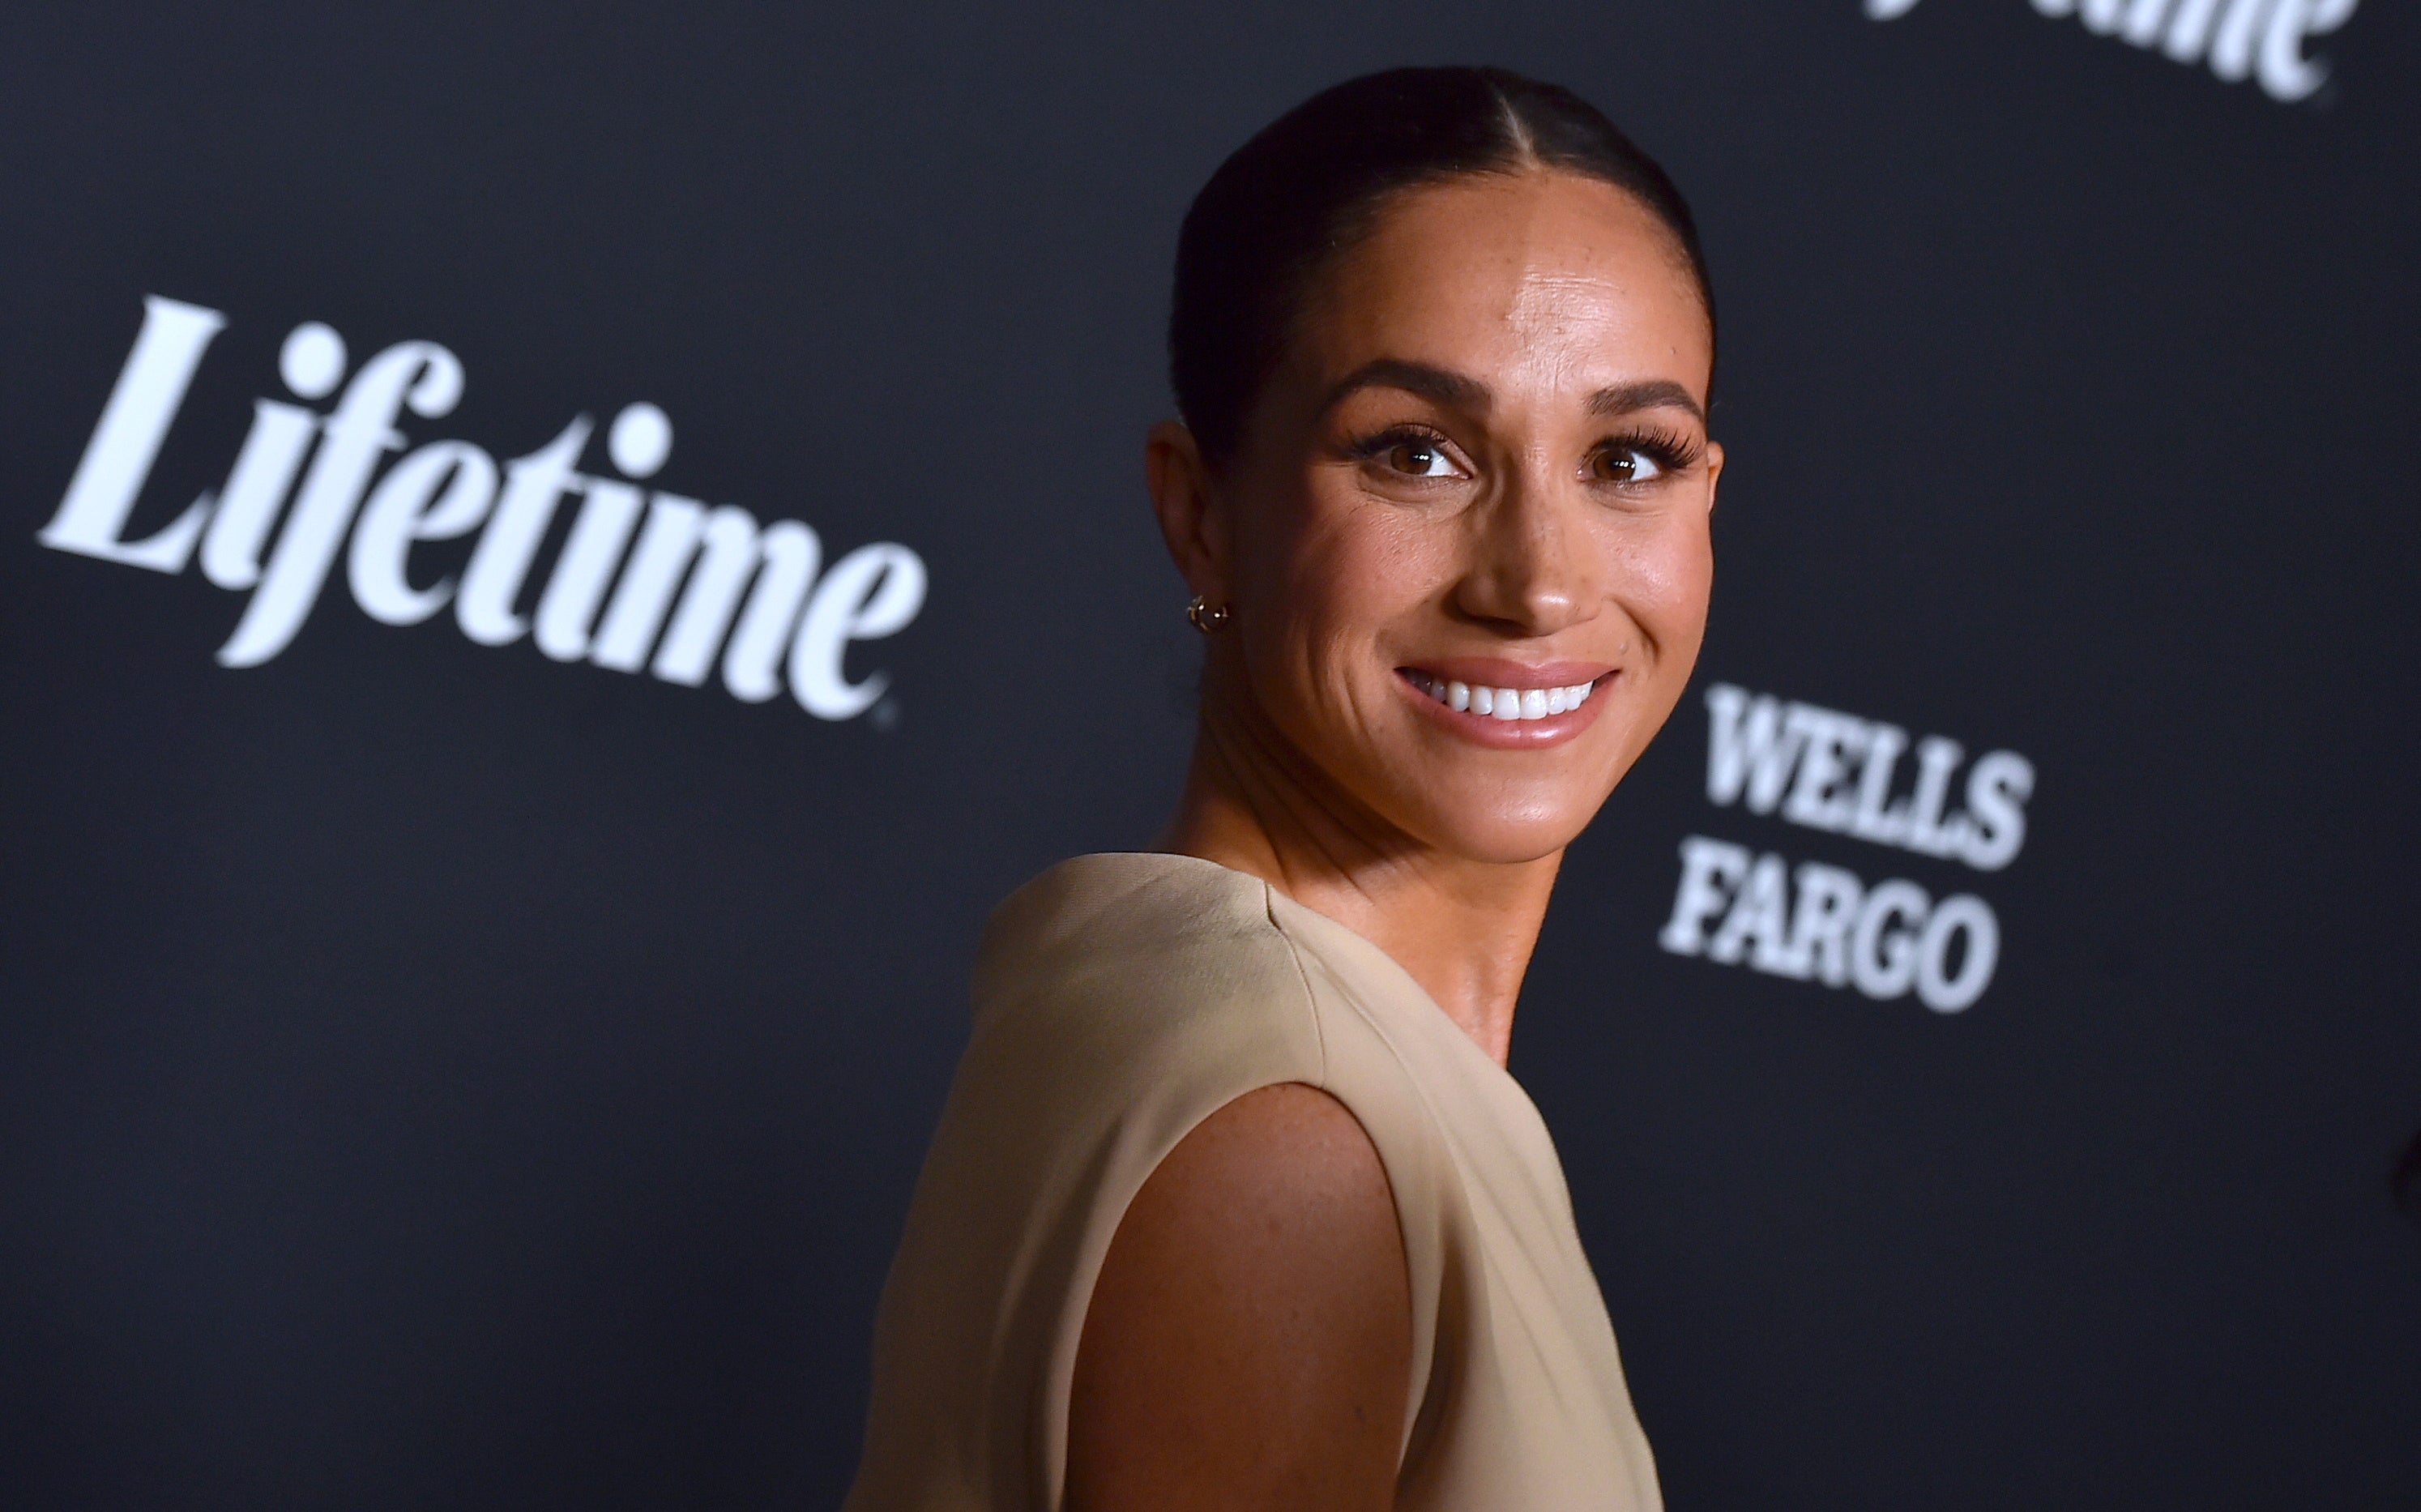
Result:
{"points": [[698, 580], [2261, 40]]}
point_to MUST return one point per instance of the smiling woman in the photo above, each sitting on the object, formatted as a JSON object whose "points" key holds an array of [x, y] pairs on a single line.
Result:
{"points": [[1233, 1203]]}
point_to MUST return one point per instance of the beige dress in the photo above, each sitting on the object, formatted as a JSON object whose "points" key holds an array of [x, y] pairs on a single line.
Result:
{"points": [[1120, 1001]]}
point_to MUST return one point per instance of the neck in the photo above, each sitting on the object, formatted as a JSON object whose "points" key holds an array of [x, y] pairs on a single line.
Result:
{"points": [[1463, 929]]}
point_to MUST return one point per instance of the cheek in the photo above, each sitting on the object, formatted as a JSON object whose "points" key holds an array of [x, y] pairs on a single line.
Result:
{"points": [[1663, 575], [1355, 569]]}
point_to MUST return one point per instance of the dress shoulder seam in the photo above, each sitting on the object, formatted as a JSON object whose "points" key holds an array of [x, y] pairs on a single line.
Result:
{"points": [[1303, 975], [1418, 1089]]}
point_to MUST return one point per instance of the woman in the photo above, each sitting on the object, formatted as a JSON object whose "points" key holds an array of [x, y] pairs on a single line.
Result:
{"points": [[1233, 1203]]}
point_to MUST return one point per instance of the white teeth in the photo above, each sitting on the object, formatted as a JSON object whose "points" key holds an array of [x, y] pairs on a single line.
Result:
{"points": [[1505, 703]]}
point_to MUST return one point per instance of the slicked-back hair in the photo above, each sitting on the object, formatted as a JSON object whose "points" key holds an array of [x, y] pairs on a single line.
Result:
{"points": [[1310, 184]]}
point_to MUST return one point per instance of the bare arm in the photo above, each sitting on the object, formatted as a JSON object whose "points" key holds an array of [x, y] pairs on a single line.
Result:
{"points": [[1249, 1341]]}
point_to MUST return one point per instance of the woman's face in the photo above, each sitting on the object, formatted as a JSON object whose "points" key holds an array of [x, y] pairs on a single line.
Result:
{"points": [[1480, 479]]}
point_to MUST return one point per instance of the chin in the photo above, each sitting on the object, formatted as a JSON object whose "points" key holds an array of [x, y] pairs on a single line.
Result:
{"points": [[1505, 838], [1489, 810]]}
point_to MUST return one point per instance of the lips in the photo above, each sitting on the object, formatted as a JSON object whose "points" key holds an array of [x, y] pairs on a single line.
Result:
{"points": [[1506, 705]]}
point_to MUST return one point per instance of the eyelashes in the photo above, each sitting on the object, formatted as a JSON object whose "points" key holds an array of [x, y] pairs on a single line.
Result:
{"points": [[1413, 440], [1417, 451], [1667, 449], [1409, 451]]}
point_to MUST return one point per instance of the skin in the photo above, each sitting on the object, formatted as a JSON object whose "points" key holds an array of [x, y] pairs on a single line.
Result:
{"points": [[1483, 458]]}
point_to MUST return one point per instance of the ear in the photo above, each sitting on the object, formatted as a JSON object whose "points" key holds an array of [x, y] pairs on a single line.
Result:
{"points": [[1714, 470], [1193, 519]]}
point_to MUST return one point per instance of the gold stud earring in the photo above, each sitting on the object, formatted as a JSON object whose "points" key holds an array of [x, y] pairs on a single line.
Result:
{"points": [[1206, 617]]}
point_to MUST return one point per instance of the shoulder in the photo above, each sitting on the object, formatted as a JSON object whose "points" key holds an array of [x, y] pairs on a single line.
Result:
{"points": [[1250, 1337], [1136, 906], [1283, 1173], [1123, 944]]}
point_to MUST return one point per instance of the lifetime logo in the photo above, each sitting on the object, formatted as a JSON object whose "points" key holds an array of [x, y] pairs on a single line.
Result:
{"points": [[2261, 39], [752, 593]]}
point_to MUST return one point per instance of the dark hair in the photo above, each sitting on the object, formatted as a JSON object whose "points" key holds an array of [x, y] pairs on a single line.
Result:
{"points": [[1309, 184]]}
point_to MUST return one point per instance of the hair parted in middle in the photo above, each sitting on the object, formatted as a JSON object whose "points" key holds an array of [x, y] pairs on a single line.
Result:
{"points": [[1309, 186]]}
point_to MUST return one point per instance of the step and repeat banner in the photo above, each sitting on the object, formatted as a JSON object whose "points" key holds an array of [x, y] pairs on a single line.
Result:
{"points": [[555, 563]]}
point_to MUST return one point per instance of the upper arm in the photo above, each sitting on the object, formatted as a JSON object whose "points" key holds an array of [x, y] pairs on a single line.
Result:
{"points": [[1249, 1339]]}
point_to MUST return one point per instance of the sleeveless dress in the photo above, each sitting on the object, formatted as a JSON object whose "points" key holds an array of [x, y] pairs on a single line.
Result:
{"points": [[1120, 1001]]}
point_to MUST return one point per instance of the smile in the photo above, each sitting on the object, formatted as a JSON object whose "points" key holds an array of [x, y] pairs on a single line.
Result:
{"points": [[1508, 704]]}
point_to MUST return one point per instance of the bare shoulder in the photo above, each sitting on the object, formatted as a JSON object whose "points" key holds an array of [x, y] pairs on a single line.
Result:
{"points": [[1249, 1340]]}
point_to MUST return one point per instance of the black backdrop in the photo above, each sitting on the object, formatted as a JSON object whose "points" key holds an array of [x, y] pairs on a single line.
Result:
{"points": [[432, 1074]]}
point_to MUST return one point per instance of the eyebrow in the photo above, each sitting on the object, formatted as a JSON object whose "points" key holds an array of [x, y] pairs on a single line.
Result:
{"points": [[1442, 386], [1433, 383], [1649, 393]]}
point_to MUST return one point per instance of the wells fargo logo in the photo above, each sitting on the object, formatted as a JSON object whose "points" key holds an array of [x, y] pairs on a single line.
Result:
{"points": [[1849, 776]]}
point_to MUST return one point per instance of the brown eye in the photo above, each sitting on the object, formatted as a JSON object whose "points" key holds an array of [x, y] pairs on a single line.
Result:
{"points": [[1627, 464], [1419, 459]]}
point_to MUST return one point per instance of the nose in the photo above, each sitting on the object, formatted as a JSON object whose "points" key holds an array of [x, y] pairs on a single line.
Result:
{"points": [[1533, 569]]}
